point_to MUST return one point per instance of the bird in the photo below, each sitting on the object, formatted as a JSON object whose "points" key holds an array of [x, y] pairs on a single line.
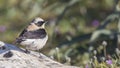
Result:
{"points": [[34, 36]]}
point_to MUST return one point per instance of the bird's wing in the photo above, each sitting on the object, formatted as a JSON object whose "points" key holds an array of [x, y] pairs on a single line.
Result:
{"points": [[38, 34], [22, 33], [21, 38]]}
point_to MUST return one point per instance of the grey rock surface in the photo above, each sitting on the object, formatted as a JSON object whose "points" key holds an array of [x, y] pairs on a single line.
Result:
{"points": [[12, 56]]}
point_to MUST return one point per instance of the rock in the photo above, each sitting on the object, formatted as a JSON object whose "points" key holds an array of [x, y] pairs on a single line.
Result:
{"points": [[12, 56]]}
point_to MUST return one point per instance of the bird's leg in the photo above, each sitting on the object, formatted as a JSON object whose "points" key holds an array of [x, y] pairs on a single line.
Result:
{"points": [[27, 51], [39, 53]]}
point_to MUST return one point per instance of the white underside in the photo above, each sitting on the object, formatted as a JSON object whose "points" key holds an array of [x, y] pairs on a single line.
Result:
{"points": [[34, 44]]}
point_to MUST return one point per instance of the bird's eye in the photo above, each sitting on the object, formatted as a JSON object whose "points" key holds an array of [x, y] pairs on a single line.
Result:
{"points": [[39, 23]]}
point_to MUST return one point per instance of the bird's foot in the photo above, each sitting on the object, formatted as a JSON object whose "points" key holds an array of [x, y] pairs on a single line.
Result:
{"points": [[27, 51], [40, 56]]}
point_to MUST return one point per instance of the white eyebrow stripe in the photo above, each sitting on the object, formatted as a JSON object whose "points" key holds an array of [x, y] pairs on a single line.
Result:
{"points": [[38, 19]]}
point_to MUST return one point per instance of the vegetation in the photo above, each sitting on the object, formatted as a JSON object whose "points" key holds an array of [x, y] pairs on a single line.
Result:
{"points": [[82, 33]]}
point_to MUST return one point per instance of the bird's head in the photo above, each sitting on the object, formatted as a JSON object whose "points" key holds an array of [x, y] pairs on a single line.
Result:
{"points": [[36, 23], [39, 22]]}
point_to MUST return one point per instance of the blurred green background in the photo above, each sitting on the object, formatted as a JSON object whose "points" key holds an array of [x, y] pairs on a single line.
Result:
{"points": [[70, 25]]}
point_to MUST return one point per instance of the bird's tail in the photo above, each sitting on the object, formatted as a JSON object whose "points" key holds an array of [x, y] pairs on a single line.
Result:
{"points": [[18, 41]]}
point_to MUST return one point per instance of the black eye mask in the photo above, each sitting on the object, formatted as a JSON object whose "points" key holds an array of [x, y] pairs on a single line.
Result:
{"points": [[39, 23]]}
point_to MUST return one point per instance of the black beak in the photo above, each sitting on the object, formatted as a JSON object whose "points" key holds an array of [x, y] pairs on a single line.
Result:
{"points": [[45, 22]]}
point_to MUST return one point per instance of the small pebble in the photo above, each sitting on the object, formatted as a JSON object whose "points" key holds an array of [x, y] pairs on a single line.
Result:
{"points": [[8, 54]]}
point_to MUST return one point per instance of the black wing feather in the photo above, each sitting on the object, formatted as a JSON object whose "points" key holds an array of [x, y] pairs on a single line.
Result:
{"points": [[22, 33], [37, 34], [41, 33]]}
